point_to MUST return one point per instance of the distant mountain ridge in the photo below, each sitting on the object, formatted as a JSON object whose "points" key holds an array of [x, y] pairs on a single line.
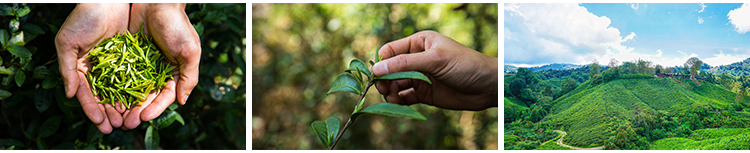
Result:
{"points": [[553, 66]]}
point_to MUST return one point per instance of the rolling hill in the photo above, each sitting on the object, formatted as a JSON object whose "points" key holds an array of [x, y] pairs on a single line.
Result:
{"points": [[591, 114], [708, 139]]}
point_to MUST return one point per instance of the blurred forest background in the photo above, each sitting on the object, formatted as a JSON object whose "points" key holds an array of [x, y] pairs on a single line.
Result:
{"points": [[299, 49], [35, 114]]}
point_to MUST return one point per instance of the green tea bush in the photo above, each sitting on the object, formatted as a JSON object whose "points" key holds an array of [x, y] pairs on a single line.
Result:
{"points": [[37, 115]]}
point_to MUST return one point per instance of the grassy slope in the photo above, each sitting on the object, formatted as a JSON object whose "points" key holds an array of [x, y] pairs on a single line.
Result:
{"points": [[586, 112], [513, 107], [708, 139]]}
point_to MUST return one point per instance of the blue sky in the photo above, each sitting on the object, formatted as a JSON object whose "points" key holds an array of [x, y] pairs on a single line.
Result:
{"points": [[664, 33]]}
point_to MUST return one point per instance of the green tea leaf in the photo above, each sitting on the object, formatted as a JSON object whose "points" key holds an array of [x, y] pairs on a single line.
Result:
{"points": [[40, 72], [49, 127], [50, 82], [4, 94], [391, 109], [172, 106], [356, 63], [4, 37], [404, 75], [19, 77], [167, 118], [19, 51], [23, 11], [13, 24], [152, 138], [321, 130], [40, 144], [42, 99], [11, 142], [4, 70], [333, 125], [344, 82], [6, 10], [32, 28]]}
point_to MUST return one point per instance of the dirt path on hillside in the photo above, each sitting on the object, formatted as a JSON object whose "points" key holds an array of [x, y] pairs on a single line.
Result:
{"points": [[559, 142]]}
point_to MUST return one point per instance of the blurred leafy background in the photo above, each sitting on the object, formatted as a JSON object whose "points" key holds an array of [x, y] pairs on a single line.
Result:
{"points": [[299, 49], [36, 114]]}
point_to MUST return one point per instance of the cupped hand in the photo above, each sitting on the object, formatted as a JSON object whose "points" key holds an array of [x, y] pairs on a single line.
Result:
{"points": [[462, 78], [85, 27], [172, 32]]}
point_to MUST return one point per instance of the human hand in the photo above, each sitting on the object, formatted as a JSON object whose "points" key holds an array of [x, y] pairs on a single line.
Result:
{"points": [[85, 27], [462, 78], [175, 36]]}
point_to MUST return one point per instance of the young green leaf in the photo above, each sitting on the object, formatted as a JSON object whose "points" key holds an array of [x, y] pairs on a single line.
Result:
{"points": [[4, 37], [391, 109], [359, 106], [321, 130], [404, 75], [356, 63], [16, 39], [32, 28], [333, 125], [152, 138], [23, 11], [20, 77], [344, 82], [49, 82], [4, 94], [49, 127], [166, 119], [19, 51], [327, 130]]}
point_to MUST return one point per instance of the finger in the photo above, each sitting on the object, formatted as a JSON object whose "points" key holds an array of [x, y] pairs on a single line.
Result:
{"points": [[115, 118], [409, 96], [188, 77], [415, 43], [67, 55], [89, 102], [120, 107], [162, 101], [134, 116], [422, 62], [382, 86], [138, 19], [105, 126]]}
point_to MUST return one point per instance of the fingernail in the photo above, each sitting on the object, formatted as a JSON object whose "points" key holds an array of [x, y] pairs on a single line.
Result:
{"points": [[380, 68], [185, 99]]}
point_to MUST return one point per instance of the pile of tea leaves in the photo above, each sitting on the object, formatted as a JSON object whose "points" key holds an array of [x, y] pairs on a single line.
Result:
{"points": [[126, 68]]}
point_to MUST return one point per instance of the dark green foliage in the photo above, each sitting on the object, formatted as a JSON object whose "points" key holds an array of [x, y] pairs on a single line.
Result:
{"points": [[517, 85], [527, 135], [214, 116], [513, 109], [708, 139], [568, 85]]}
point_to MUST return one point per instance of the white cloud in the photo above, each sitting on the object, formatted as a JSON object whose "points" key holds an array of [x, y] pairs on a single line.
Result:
{"points": [[700, 20], [740, 18], [703, 7], [724, 59], [566, 33], [634, 6], [659, 53]]}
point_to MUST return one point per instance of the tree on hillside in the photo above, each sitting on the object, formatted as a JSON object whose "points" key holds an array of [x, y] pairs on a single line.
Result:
{"points": [[594, 69], [516, 86], [643, 66], [694, 64], [527, 75], [658, 69], [568, 85], [613, 63], [630, 68]]}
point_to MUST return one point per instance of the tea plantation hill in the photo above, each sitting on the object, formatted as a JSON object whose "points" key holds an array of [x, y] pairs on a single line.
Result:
{"points": [[639, 109]]}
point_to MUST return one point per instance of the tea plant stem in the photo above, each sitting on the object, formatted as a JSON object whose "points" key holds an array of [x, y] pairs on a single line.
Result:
{"points": [[349, 122]]}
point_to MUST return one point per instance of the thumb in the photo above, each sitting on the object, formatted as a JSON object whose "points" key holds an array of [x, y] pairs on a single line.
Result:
{"points": [[421, 62]]}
